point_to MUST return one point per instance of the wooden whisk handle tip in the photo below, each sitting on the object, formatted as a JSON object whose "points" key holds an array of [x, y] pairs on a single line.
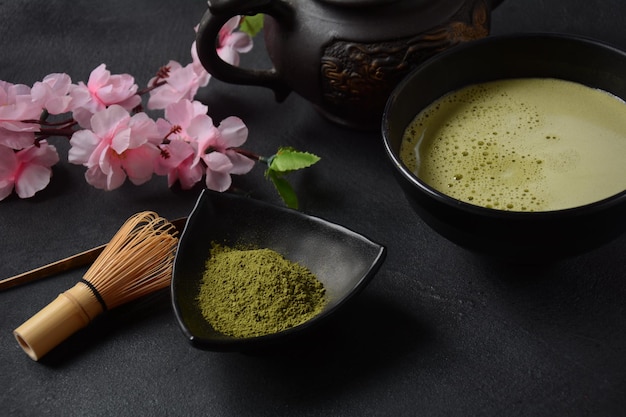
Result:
{"points": [[68, 313]]}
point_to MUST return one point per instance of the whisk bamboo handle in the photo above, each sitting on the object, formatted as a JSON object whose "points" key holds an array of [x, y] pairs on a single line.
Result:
{"points": [[69, 312]]}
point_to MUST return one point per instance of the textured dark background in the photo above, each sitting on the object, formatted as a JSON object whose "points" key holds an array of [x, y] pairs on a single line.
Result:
{"points": [[439, 332]]}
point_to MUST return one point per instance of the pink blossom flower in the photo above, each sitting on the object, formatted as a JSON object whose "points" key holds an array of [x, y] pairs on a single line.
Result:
{"points": [[215, 149], [184, 113], [178, 158], [27, 170], [53, 93], [196, 64], [103, 90], [179, 164], [119, 146], [182, 83], [232, 42], [17, 105]]}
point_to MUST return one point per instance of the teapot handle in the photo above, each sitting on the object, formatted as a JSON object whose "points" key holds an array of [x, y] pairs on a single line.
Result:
{"points": [[219, 12]]}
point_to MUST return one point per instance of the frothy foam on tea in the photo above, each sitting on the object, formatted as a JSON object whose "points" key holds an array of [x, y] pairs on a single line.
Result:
{"points": [[522, 145]]}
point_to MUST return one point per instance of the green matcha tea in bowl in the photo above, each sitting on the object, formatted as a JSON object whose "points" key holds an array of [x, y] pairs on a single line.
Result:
{"points": [[515, 146], [249, 275]]}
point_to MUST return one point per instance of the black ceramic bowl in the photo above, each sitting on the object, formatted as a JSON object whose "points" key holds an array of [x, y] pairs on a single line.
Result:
{"points": [[519, 236], [342, 260]]}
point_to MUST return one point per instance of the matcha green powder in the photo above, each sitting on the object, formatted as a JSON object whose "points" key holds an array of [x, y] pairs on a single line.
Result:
{"points": [[256, 292]]}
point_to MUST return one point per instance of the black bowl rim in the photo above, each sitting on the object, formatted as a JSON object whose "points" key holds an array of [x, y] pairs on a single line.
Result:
{"points": [[441, 197], [241, 344]]}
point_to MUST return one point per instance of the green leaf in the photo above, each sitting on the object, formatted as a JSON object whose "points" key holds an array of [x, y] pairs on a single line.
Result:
{"points": [[282, 163], [252, 25], [288, 159], [285, 190]]}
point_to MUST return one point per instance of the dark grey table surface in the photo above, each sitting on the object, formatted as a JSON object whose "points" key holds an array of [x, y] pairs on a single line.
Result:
{"points": [[439, 332]]}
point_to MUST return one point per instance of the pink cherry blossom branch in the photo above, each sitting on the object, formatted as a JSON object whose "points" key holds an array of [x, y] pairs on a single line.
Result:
{"points": [[248, 154], [44, 122], [113, 138], [158, 81]]}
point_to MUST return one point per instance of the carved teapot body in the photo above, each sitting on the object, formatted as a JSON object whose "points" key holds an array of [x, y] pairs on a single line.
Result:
{"points": [[344, 56]]}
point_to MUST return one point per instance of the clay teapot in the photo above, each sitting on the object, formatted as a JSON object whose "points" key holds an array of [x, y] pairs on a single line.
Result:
{"points": [[344, 56]]}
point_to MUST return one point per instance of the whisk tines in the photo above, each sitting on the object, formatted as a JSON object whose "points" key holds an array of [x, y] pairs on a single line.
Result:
{"points": [[137, 261]]}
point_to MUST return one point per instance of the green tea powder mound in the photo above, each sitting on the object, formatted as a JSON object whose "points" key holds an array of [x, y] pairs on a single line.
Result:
{"points": [[256, 292]]}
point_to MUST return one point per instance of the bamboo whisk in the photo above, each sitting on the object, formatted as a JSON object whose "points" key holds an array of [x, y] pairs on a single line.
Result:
{"points": [[137, 261]]}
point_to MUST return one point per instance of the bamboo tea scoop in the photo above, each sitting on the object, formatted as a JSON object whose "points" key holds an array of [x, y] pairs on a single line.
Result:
{"points": [[137, 261]]}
